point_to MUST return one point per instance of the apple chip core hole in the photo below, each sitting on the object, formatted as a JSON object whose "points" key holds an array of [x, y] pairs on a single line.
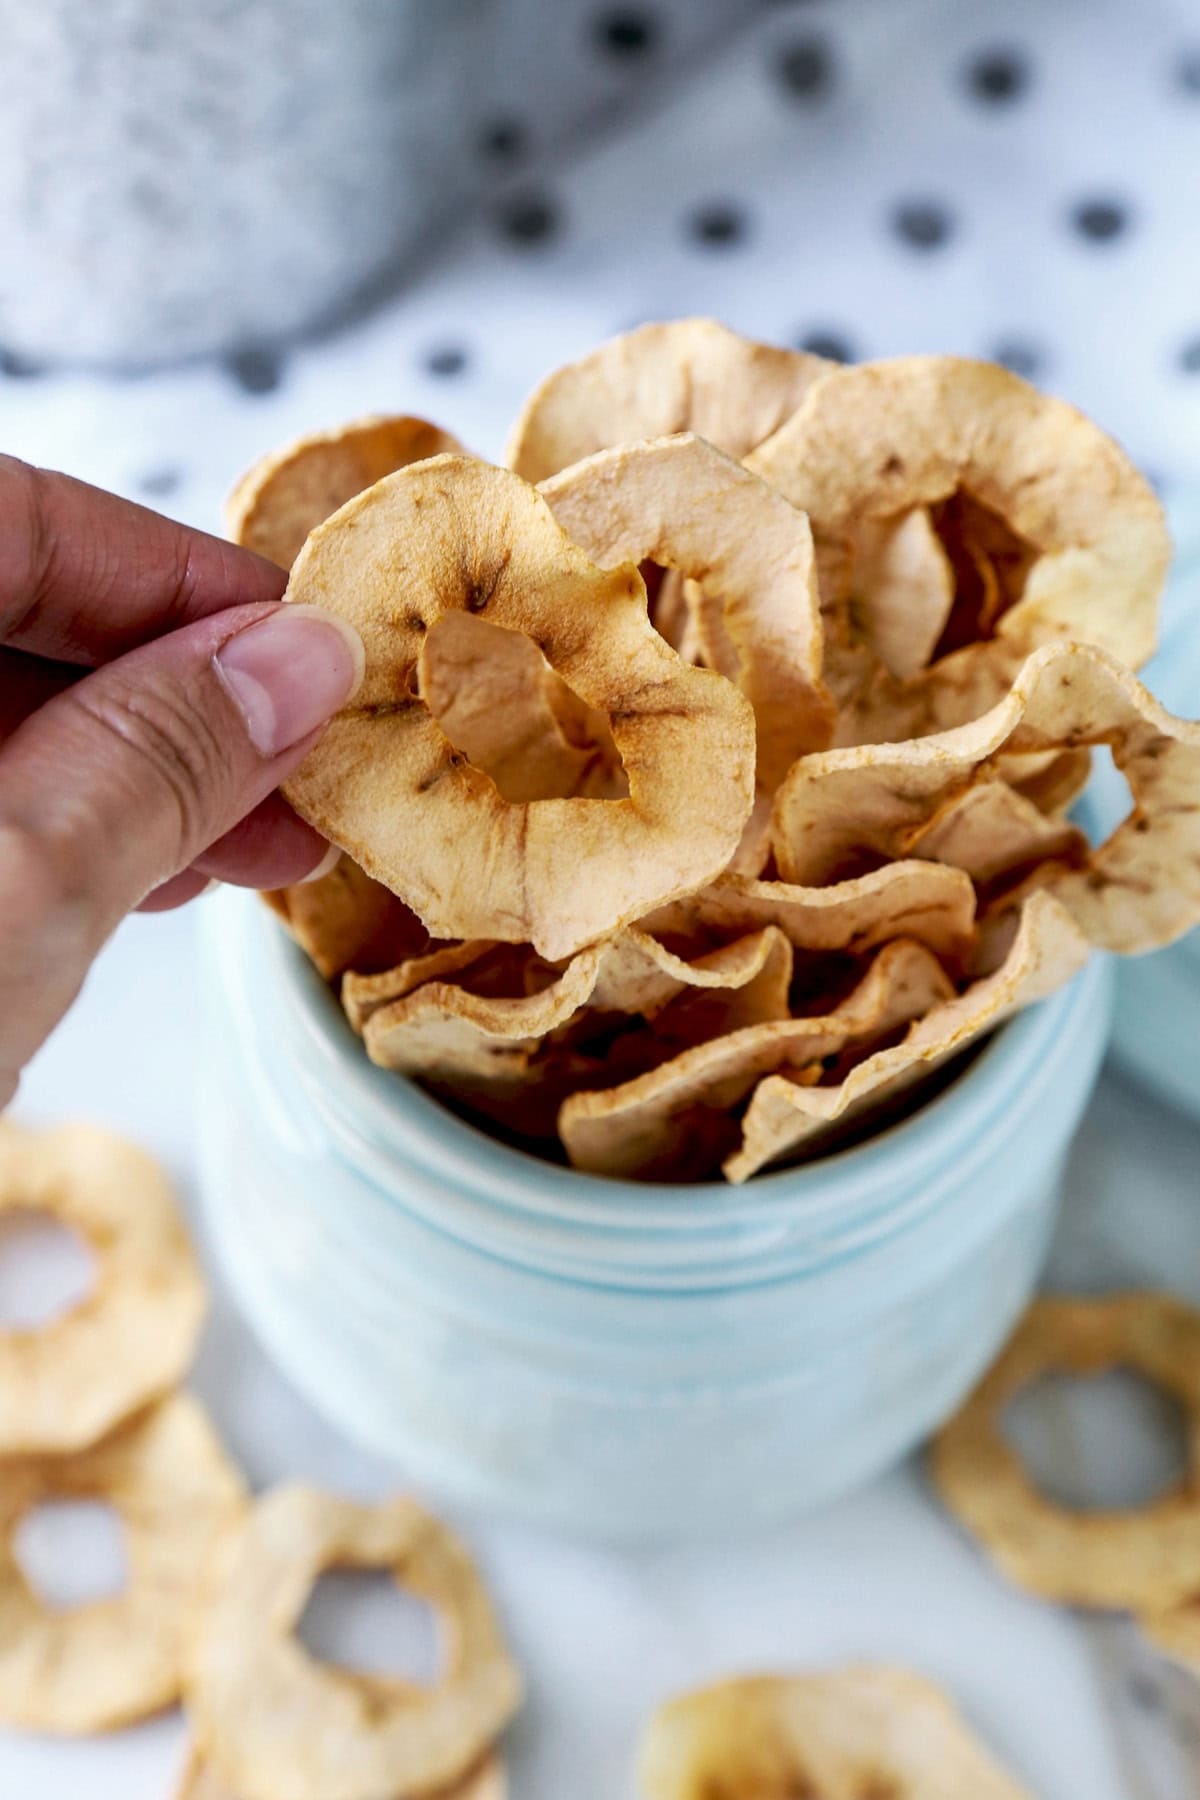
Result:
{"points": [[72, 1552], [361, 1620], [503, 707], [1108, 1442], [46, 1269]]}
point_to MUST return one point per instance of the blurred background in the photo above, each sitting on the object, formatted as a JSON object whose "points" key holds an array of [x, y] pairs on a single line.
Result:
{"points": [[227, 224]]}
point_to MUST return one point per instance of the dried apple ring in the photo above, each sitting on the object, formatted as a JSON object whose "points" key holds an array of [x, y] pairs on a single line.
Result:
{"points": [[1135, 892], [449, 1035], [786, 1120], [680, 503], [287, 493], [276, 1724], [857, 1732], [451, 536], [94, 1667], [487, 1781], [1146, 1558], [678, 1120], [876, 440], [65, 1383], [684, 375]]}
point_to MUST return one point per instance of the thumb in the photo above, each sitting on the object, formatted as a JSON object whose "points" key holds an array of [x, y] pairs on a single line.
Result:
{"points": [[118, 783]]}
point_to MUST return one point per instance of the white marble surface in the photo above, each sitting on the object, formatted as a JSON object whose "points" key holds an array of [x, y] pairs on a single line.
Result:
{"points": [[603, 1635]]}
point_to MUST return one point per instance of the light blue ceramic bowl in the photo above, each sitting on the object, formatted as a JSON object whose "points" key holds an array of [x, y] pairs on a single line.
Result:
{"points": [[613, 1359], [1156, 1027]]}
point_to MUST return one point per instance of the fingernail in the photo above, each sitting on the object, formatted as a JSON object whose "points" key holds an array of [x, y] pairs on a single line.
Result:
{"points": [[326, 866], [290, 673]]}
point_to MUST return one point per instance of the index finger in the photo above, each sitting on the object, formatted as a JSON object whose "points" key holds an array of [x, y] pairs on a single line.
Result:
{"points": [[86, 576]]}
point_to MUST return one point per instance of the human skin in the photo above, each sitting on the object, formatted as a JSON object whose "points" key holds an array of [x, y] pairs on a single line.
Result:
{"points": [[153, 694]]}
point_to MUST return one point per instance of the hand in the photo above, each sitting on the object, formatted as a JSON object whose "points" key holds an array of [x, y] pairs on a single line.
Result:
{"points": [[153, 694]]}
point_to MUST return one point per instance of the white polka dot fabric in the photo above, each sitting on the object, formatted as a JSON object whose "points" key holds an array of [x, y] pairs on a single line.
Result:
{"points": [[865, 177]]}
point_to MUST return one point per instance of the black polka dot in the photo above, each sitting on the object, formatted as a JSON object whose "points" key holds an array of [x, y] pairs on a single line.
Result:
{"points": [[503, 141], [718, 224], [1019, 355], [923, 224], [829, 344], [997, 75], [529, 218], [1189, 356], [806, 68], [160, 482], [446, 359], [19, 368], [1100, 219], [626, 32], [1187, 70], [255, 368]]}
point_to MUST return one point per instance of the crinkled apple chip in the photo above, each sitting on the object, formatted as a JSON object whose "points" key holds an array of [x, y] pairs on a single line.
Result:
{"points": [[95, 1667], [840, 809], [903, 589], [276, 1724], [65, 1383], [1089, 546], [363, 995], [1146, 1557], [287, 493], [685, 375], [860, 1732], [500, 703], [662, 1124], [1050, 779], [784, 1118], [453, 1037], [993, 832], [684, 505], [344, 920], [385, 784], [929, 902]]}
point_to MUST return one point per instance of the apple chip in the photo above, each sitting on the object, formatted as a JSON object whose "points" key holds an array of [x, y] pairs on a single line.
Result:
{"points": [[95, 1667], [1051, 779], [499, 702], [131, 1337], [1069, 529], [860, 1732], [676, 1121], [681, 504], [385, 783], [1147, 1558], [1176, 1632], [841, 810], [787, 1116], [344, 920], [451, 1036], [686, 375], [485, 1782], [288, 493], [902, 588], [994, 833], [276, 1724], [363, 995], [926, 901]]}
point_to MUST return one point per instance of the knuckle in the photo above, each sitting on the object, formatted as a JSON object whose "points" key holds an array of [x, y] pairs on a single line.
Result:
{"points": [[180, 754]]}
